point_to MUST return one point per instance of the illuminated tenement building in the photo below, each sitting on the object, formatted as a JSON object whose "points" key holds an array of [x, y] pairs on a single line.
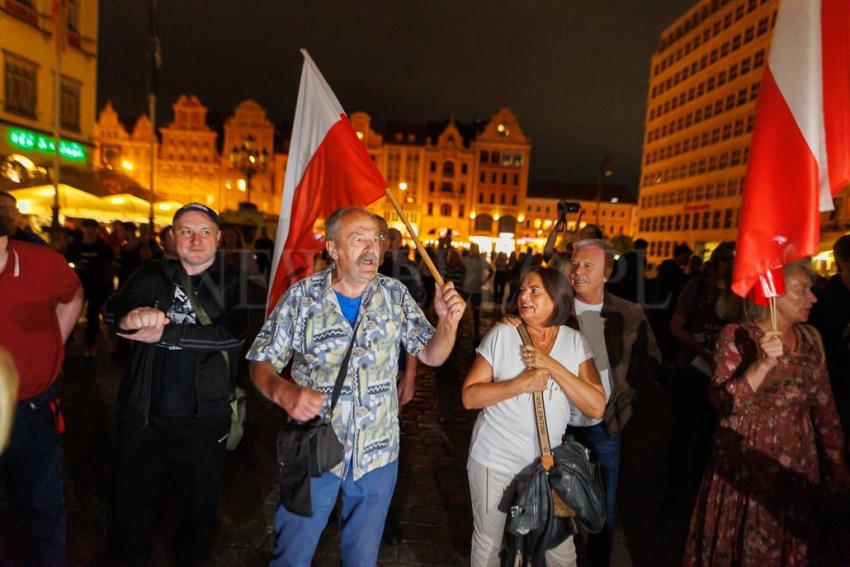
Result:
{"points": [[27, 104], [704, 82], [470, 179], [189, 164]]}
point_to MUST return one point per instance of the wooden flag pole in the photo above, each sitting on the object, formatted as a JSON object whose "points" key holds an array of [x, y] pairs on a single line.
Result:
{"points": [[422, 252]]}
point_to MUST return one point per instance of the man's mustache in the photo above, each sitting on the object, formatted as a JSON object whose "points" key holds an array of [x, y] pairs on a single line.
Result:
{"points": [[367, 256]]}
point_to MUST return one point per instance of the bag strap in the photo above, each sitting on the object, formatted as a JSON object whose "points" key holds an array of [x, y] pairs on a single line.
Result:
{"points": [[343, 370], [546, 458], [202, 314]]}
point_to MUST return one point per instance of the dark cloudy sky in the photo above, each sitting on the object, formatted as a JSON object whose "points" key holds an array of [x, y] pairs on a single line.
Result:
{"points": [[575, 72]]}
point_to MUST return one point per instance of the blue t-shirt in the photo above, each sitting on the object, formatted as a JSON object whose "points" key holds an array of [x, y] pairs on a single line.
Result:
{"points": [[350, 307]]}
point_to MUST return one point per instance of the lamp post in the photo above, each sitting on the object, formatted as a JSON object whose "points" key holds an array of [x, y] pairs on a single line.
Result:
{"points": [[604, 171], [248, 160]]}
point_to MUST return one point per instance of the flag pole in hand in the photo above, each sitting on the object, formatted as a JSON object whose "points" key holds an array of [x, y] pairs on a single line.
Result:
{"points": [[422, 252]]}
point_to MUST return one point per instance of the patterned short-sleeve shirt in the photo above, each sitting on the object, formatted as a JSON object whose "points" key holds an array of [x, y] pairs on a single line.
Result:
{"points": [[308, 328]]}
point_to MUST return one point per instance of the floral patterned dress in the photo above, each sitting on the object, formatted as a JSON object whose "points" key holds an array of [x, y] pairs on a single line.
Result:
{"points": [[757, 503]]}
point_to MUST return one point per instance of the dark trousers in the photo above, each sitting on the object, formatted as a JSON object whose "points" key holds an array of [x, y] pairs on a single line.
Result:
{"points": [[604, 451], [474, 301], [694, 420], [499, 283], [32, 470], [191, 450], [95, 298]]}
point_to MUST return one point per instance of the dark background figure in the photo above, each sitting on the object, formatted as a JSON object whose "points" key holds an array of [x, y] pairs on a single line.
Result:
{"points": [[704, 307], [394, 264], [500, 279], [9, 212], [668, 285], [521, 265], [476, 272], [628, 281], [166, 242], [92, 259], [454, 270], [136, 251], [831, 316], [694, 268], [428, 281], [264, 251], [235, 252]]}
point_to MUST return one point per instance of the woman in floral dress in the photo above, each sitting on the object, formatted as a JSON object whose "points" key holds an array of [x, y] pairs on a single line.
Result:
{"points": [[757, 502]]}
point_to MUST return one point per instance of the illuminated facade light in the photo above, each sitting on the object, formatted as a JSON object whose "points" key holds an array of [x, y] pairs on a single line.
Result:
{"points": [[402, 186], [241, 185], [128, 165]]}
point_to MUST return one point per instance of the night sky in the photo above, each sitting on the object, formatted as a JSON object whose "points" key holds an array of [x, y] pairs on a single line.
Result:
{"points": [[575, 72]]}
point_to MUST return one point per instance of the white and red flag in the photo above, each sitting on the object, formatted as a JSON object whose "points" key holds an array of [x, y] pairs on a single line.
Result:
{"points": [[800, 151], [328, 167]]}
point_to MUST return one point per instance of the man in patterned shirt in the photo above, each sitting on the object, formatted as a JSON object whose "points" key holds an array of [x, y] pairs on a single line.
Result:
{"points": [[312, 326]]}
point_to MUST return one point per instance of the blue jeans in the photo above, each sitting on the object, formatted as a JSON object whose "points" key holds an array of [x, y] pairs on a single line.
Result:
{"points": [[32, 470], [364, 508], [605, 451]]}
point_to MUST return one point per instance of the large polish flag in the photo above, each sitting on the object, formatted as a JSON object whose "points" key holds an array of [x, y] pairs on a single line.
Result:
{"points": [[328, 168], [800, 151]]}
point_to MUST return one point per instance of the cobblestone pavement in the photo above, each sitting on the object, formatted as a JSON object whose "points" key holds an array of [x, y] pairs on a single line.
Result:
{"points": [[432, 495]]}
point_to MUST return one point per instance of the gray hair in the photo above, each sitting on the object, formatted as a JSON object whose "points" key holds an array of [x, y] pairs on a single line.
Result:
{"points": [[603, 245], [334, 220], [803, 266]]}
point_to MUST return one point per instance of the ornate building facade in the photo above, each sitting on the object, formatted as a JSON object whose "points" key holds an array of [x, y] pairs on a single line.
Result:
{"points": [[470, 179], [189, 165]]}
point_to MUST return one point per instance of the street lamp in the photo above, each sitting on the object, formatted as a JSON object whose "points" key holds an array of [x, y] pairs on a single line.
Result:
{"points": [[248, 160], [604, 171]]}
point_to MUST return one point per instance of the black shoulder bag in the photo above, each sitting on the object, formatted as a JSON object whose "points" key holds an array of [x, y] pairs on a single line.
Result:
{"points": [[309, 449]]}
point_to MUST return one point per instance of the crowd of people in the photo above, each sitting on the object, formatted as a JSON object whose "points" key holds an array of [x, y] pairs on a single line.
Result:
{"points": [[760, 404]]}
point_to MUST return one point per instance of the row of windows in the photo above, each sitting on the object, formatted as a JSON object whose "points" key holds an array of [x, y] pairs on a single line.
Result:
{"points": [[446, 210], [734, 71], [603, 211], [502, 199], [448, 168], [708, 32], [21, 89], [663, 249], [717, 135], [733, 100], [726, 48], [446, 187], [699, 220], [731, 158], [503, 158], [494, 178], [698, 194]]}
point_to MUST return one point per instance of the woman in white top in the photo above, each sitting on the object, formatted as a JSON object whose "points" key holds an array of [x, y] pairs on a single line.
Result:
{"points": [[502, 380]]}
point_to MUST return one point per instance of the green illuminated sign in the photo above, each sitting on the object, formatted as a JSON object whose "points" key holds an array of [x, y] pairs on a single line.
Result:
{"points": [[28, 140]]}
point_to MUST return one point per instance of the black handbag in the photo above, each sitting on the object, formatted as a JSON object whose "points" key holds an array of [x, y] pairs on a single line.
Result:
{"points": [[309, 449]]}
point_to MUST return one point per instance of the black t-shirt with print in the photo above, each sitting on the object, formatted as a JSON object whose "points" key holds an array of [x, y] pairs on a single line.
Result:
{"points": [[173, 388]]}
